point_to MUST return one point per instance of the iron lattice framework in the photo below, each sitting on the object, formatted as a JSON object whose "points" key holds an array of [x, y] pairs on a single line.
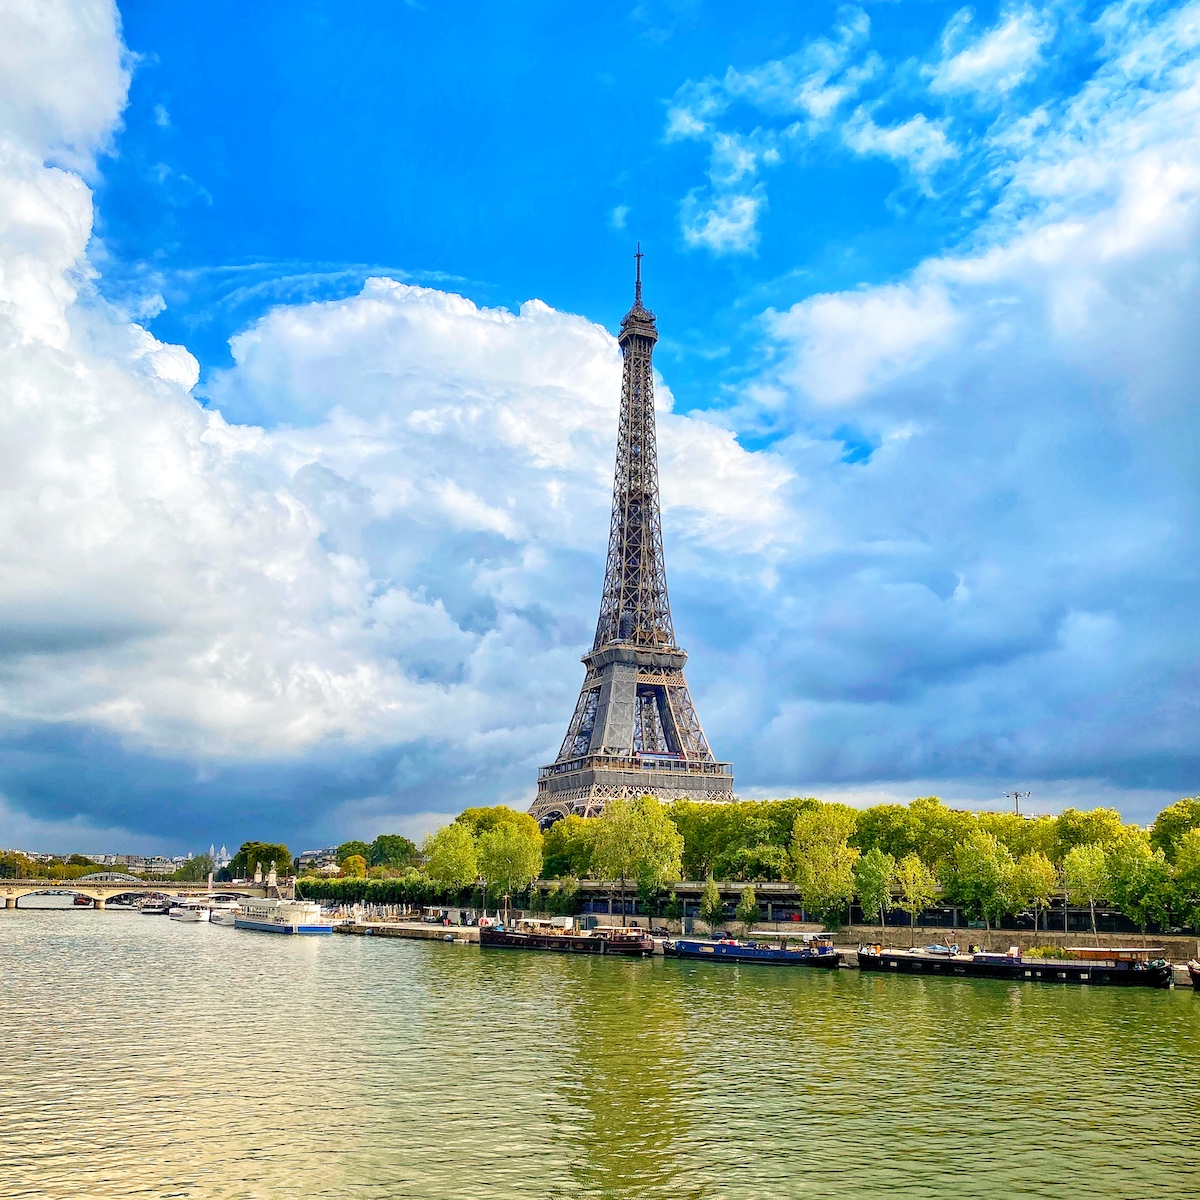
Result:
{"points": [[634, 729]]}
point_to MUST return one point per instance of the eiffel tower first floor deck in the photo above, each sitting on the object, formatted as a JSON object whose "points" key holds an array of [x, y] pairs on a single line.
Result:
{"points": [[584, 785]]}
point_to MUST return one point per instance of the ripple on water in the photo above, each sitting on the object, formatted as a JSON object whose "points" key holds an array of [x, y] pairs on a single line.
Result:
{"points": [[144, 1058]]}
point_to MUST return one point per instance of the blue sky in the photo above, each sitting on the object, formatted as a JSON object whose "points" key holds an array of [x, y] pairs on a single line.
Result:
{"points": [[311, 395]]}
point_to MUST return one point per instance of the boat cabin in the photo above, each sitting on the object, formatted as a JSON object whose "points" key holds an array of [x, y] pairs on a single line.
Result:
{"points": [[1112, 955]]}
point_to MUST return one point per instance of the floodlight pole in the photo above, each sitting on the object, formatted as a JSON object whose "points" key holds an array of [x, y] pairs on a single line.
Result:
{"points": [[1015, 797]]}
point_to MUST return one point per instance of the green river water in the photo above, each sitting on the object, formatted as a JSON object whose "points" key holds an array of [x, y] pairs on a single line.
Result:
{"points": [[142, 1057]]}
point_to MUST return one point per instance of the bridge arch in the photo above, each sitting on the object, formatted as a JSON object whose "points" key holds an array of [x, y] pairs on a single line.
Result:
{"points": [[12, 890]]}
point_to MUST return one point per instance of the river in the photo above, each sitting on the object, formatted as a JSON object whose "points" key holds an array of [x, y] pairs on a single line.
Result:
{"points": [[142, 1057]]}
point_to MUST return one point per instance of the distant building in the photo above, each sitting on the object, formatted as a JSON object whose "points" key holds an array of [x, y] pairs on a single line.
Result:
{"points": [[324, 857]]}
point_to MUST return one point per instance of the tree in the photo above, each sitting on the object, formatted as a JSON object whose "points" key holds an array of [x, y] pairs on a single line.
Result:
{"points": [[195, 870], [822, 861], [1085, 876], [1139, 879], [510, 858], [346, 849], [450, 857], [392, 850], [563, 898], [636, 839], [482, 820], [1185, 890], [747, 909], [1173, 823], [918, 890], [712, 907], [567, 847], [980, 876], [1097, 827], [260, 854], [874, 875], [659, 845], [354, 867], [1034, 881], [614, 850]]}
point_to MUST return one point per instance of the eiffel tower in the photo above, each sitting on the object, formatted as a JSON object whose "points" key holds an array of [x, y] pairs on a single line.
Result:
{"points": [[634, 730]]}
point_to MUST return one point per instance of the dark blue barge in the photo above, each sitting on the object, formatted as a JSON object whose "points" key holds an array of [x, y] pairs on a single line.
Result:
{"points": [[814, 950]]}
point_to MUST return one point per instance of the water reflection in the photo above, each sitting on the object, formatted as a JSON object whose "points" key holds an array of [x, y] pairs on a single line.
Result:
{"points": [[146, 1058]]}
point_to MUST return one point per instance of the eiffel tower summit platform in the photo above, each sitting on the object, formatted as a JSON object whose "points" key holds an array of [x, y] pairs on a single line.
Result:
{"points": [[635, 729]]}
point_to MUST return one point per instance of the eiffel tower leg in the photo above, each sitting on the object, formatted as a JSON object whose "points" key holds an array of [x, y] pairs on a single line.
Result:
{"points": [[616, 710]]}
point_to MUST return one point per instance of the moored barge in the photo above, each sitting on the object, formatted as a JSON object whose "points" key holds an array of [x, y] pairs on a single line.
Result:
{"points": [[812, 950], [1119, 966], [543, 935], [1194, 973]]}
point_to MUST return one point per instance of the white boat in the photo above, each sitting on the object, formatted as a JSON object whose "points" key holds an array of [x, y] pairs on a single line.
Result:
{"points": [[224, 912], [190, 910], [282, 916]]}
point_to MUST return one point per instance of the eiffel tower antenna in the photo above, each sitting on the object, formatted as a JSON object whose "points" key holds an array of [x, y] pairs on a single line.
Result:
{"points": [[634, 730]]}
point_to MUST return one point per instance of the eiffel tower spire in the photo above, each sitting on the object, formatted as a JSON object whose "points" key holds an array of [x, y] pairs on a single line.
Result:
{"points": [[634, 729]]}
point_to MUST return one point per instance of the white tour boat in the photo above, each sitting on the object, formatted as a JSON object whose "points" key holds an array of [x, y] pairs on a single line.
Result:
{"points": [[224, 912], [190, 910], [282, 916]]}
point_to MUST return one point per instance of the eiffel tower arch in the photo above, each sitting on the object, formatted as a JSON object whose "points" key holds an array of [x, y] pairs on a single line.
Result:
{"points": [[635, 729]]}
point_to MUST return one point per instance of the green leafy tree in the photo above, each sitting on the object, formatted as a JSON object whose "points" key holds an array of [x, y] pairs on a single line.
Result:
{"points": [[874, 875], [567, 848], [346, 849], [1096, 827], [741, 839], [509, 858], [980, 876], [712, 907], [747, 908], [483, 820], [614, 848], [1139, 878], [1173, 823], [1185, 889], [659, 845], [822, 860], [265, 854], [673, 909], [195, 870], [1021, 835], [918, 890], [636, 840], [1034, 881], [354, 866], [392, 850], [563, 898], [14, 865], [1085, 876], [450, 857]]}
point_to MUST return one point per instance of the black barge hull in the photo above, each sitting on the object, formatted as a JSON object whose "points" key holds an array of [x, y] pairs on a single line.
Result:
{"points": [[504, 939], [1041, 970]]}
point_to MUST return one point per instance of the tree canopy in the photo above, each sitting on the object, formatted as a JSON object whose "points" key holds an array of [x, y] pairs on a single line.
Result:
{"points": [[450, 856], [265, 854], [509, 857], [481, 820], [392, 850]]}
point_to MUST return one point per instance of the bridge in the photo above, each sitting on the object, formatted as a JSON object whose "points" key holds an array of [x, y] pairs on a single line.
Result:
{"points": [[101, 891]]}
